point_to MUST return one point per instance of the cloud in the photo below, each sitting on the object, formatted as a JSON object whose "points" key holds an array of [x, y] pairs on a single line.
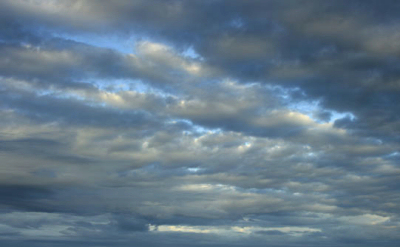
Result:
{"points": [[192, 123]]}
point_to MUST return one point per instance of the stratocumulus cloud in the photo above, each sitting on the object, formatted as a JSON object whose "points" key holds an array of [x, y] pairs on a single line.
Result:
{"points": [[199, 123]]}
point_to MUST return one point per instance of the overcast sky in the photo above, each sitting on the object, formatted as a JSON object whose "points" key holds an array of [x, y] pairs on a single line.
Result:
{"points": [[199, 123]]}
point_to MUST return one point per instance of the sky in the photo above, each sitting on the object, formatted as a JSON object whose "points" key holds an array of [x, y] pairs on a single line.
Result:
{"points": [[199, 123]]}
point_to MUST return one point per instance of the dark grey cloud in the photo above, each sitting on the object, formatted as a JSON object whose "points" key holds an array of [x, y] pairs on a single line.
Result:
{"points": [[199, 123]]}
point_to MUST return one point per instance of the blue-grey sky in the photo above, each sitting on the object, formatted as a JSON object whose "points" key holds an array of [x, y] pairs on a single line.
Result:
{"points": [[199, 123]]}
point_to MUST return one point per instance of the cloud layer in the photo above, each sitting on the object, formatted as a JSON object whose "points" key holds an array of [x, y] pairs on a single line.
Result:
{"points": [[199, 123]]}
